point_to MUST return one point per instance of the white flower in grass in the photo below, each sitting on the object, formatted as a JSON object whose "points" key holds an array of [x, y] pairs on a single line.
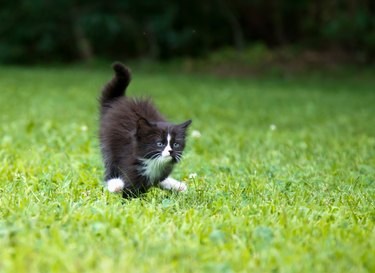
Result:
{"points": [[193, 175], [83, 128], [195, 134], [7, 139], [273, 127]]}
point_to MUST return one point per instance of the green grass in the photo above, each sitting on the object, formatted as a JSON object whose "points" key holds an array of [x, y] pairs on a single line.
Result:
{"points": [[299, 198]]}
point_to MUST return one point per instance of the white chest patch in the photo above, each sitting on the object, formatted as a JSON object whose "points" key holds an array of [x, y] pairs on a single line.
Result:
{"points": [[153, 168]]}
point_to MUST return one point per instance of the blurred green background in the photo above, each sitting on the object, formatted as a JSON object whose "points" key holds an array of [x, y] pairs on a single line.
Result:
{"points": [[62, 31]]}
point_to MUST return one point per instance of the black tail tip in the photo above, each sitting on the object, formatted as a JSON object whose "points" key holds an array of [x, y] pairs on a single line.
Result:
{"points": [[121, 70]]}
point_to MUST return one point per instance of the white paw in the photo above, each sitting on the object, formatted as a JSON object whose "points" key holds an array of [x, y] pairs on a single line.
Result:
{"points": [[115, 185], [180, 186], [172, 184]]}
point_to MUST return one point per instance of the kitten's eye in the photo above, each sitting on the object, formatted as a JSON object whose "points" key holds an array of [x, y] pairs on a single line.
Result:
{"points": [[159, 144], [176, 145]]}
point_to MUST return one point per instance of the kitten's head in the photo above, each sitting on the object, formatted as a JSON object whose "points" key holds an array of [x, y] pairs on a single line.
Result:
{"points": [[161, 140]]}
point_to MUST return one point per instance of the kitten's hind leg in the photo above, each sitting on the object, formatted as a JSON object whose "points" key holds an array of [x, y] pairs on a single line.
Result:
{"points": [[172, 184], [115, 185]]}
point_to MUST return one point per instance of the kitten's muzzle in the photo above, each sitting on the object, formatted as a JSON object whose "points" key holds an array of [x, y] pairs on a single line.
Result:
{"points": [[167, 152]]}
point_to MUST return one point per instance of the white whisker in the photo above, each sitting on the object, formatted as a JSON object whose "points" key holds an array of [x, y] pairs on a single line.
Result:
{"points": [[156, 153], [178, 157]]}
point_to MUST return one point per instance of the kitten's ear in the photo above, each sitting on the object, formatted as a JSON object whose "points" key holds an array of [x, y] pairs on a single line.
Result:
{"points": [[185, 124], [143, 127]]}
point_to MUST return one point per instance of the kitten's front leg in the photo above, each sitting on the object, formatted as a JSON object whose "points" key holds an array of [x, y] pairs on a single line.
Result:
{"points": [[172, 184]]}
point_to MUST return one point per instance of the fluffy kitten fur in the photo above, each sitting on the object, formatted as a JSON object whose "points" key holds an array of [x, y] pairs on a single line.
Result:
{"points": [[138, 145]]}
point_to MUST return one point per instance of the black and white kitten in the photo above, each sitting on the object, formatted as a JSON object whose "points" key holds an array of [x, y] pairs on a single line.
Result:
{"points": [[138, 145]]}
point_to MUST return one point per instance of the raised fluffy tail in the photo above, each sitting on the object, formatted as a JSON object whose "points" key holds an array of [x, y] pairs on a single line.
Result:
{"points": [[116, 87]]}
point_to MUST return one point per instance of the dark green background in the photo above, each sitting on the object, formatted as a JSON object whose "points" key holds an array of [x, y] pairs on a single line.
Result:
{"points": [[39, 31]]}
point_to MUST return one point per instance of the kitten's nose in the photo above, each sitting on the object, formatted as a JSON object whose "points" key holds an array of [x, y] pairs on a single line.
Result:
{"points": [[170, 152]]}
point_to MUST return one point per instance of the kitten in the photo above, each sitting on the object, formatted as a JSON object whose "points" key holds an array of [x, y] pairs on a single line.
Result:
{"points": [[138, 145]]}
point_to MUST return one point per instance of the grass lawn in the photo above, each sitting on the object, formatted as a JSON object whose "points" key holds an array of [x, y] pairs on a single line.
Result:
{"points": [[285, 176]]}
